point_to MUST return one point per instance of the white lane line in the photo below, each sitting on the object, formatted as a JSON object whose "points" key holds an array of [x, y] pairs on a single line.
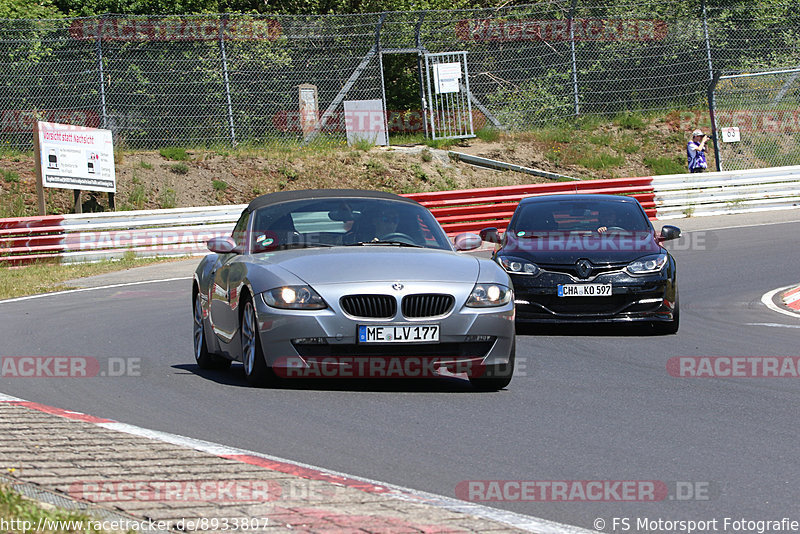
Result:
{"points": [[81, 289], [766, 298], [776, 325], [9, 398]]}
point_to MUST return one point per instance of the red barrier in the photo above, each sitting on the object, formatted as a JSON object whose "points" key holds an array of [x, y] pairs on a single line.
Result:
{"points": [[471, 210]]}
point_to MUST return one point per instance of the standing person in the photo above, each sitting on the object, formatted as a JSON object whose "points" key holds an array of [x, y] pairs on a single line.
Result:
{"points": [[696, 152]]}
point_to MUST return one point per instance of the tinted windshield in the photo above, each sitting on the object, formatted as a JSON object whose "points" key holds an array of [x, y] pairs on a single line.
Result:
{"points": [[343, 222], [578, 216]]}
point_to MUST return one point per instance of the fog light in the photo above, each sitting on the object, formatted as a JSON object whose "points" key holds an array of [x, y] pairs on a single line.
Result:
{"points": [[310, 341], [478, 338]]}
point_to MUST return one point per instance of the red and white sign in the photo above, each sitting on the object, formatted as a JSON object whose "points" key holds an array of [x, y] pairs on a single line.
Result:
{"points": [[76, 157]]}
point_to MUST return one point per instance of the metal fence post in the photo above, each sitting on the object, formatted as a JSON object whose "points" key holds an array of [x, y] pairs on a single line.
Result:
{"points": [[574, 60], [223, 23], [383, 82], [712, 109], [99, 53], [708, 40], [420, 52]]}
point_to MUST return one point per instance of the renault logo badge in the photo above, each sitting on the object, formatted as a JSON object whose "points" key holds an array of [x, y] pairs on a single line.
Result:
{"points": [[584, 268]]}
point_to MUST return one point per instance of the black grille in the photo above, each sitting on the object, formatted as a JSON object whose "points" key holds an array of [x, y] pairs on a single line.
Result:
{"points": [[588, 305], [427, 305], [371, 306]]}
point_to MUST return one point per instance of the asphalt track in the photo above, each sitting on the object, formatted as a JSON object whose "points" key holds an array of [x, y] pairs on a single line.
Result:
{"points": [[586, 403]]}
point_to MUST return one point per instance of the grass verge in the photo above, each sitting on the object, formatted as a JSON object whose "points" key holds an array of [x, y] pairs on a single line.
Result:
{"points": [[48, 277], [23, 516]]}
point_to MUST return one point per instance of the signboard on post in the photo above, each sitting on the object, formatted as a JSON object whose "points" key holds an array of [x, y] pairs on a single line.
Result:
{"points": [[73, 157], [365, 120], [446, 77], [309, 107], [731, 135]]}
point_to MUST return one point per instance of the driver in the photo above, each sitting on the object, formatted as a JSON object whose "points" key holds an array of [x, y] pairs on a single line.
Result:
{"points": [[607, 219], [386, 223]]}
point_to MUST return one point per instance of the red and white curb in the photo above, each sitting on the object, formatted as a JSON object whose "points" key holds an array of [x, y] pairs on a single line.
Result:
{"points": [[790, 297], [282, 465]]}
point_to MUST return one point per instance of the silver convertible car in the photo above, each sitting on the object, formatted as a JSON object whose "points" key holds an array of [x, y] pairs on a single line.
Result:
{"points": [[348, 283]]}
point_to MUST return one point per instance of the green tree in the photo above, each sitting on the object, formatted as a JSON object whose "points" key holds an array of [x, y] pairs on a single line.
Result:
{"points": [[28, 9]]}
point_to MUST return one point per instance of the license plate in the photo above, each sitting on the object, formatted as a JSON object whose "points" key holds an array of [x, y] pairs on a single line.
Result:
{"points": [[424, 333], [584, 290]]}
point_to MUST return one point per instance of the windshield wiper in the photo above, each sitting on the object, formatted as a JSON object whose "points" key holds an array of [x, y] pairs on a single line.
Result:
{"points": [[383, 243], [285, 246]]}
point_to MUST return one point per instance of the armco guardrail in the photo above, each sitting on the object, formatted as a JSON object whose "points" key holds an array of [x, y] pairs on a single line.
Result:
{"points": [[92, 237], [177, 232], [691, 195]]}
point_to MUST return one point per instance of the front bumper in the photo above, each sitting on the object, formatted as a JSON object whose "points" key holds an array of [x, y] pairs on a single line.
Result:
{"points": [[633, 298], [477, 335]]}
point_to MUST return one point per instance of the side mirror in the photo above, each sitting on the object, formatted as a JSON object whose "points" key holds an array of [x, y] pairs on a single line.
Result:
{"points": [[490, 235], [669, 232], [467, 241], [221, 245]]}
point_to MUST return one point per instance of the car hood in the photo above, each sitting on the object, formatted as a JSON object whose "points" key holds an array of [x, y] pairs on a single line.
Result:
{"points": [[564, 249], [372, 263]]}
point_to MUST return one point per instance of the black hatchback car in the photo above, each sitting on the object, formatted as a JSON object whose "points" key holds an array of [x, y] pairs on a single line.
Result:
{"points": [[588, 258]]}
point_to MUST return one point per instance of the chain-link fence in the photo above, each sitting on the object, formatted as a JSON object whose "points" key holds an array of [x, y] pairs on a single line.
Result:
{"points": [[758, 119], [226, 79]]}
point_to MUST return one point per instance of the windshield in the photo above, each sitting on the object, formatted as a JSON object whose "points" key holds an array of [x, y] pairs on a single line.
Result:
{"points": [[581, 216], [345, 222]]}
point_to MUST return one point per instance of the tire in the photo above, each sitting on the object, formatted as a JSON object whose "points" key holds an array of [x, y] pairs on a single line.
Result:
{"points": [[204, 359], [256, 370], [670, 327], [496, 377]]}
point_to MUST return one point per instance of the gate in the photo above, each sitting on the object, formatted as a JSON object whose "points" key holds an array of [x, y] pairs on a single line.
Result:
{"points": [[449, 106]]}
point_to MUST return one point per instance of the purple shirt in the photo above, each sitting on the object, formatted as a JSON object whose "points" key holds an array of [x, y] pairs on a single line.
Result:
{"points": [[695, 157]]}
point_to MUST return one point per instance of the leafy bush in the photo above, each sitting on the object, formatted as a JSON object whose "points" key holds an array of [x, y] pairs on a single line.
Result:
{"points": [[174, 153]]}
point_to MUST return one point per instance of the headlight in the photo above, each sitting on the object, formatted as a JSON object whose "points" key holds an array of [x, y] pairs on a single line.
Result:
{"points": [[648, 264], [519, 266], [293, 298], [489, 295]]}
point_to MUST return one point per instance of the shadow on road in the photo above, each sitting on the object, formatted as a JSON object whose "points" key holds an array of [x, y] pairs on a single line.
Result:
{"points": [[588, 330], [235, 377]]}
